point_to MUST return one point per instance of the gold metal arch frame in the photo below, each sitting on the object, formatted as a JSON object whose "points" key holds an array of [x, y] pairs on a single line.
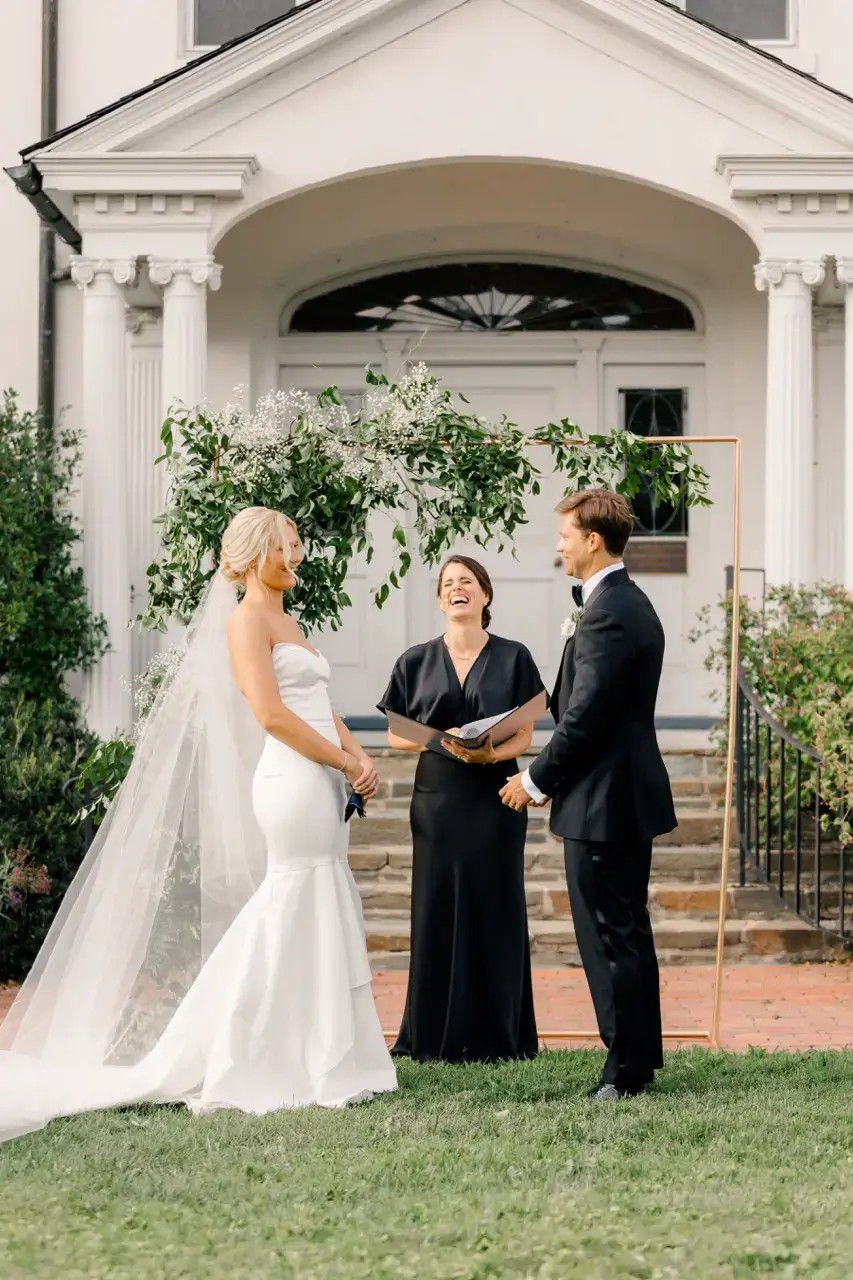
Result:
{"points": [[712, 1035]]}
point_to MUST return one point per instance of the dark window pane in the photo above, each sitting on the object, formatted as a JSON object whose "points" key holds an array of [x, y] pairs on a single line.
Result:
{"points": [[648, 412], [507, 297], [750, 19], [219, 20]]}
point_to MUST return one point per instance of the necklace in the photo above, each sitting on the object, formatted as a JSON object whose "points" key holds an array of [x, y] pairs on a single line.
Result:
{"points": [[462, 657]]}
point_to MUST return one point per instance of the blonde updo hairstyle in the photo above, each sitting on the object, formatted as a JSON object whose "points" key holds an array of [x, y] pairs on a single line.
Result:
{"points": [[247, 540]]}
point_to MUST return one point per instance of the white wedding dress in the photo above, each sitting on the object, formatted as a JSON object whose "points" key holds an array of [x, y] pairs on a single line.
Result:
{"points": [[281, 1013]]}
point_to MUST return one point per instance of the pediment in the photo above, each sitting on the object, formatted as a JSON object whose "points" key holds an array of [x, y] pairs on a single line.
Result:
{"points": [[623, 40]]}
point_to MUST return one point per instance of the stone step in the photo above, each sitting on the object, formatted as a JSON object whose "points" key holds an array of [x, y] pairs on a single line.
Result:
{"points": [[396, 805], [678, 941], [387, 828], [697, 864], [667, 901], [549, 899], [688, 769]]}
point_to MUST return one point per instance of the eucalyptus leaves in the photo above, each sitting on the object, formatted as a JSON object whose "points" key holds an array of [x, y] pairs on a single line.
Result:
{"points": [[408, 451]]}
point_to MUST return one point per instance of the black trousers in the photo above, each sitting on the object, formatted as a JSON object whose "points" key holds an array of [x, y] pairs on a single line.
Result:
{"points": [[609, 890]]}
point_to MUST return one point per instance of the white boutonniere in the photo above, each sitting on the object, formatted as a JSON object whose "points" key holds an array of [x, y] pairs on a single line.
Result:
{"points": [[567, 630]]}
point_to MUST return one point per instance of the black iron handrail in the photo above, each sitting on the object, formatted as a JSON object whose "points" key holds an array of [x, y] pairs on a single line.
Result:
{"points": [[777, 727], [781, 819]]}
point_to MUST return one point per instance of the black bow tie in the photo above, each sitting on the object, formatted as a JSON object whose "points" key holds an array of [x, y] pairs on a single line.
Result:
{"points": [[577, 595]]}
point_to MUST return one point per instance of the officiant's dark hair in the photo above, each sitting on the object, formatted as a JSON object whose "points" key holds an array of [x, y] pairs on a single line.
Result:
{"points": [[474, 567], [601, 511]]}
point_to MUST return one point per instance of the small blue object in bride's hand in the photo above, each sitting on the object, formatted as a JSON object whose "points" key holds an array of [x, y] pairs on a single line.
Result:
{"points": [[355, 804]]}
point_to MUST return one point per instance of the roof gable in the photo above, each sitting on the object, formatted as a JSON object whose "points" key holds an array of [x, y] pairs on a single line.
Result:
{"points": [[320, 27]]}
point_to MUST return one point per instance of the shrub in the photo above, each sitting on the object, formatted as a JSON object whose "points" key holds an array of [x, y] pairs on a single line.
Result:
{"points": [[797, 653], [46, 630], [41, 746]]}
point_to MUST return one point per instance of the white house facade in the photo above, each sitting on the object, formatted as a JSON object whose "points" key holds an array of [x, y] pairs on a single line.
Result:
{"points": [[606, 210]]}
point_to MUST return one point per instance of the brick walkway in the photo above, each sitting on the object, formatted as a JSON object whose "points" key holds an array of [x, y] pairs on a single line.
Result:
{"points": [[773, 1006]]}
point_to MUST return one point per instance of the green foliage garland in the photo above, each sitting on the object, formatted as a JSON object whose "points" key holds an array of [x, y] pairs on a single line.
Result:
{"points": [[408, 451]]}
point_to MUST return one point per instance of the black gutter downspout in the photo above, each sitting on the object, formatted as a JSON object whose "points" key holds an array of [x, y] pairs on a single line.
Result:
{"points": [[28, 180], [47, 241]]}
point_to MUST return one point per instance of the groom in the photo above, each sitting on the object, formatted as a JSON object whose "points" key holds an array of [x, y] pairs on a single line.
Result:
{"points": [[608, 784]]}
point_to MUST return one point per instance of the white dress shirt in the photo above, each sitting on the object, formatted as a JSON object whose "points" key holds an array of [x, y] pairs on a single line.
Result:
{"points": [[586, 591]]}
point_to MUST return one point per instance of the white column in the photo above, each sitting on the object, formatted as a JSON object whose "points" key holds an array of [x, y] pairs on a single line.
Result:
{"points": [[147, 484], [844, 270], [104, 489], [185, 283], [789, 534]]}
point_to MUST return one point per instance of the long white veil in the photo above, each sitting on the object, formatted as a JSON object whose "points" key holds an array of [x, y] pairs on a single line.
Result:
{"points": [[175, 860]]}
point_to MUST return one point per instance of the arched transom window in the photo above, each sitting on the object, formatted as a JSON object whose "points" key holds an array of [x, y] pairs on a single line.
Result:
{"points": [[478, 297]]}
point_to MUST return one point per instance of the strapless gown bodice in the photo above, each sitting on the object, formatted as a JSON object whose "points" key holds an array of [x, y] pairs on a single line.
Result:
{"points": [[303, 681]]}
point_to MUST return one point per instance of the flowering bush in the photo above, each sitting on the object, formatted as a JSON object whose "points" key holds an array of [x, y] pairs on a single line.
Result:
{"points": [[439, 473], [47, 629], [18, 878], [797, 653]]}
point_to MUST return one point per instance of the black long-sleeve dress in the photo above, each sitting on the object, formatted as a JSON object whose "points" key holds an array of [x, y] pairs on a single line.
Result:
{"points": [[470, 995]]}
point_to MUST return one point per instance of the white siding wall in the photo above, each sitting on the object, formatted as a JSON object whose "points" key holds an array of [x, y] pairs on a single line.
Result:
{"points": [[20, 40]]}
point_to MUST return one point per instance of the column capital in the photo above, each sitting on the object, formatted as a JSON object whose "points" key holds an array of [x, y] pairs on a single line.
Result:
{"points": [[85, 271], [771, 273], [200, 271], [138, 319], [844, 270]]}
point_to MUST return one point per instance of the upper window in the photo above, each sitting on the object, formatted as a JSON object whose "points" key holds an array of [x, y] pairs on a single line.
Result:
{"points": [[749, 19], [217, 21], [477, 297]]}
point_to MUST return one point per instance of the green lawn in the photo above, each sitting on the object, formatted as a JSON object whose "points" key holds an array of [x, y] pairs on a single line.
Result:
{"points": [[736, 1166]]}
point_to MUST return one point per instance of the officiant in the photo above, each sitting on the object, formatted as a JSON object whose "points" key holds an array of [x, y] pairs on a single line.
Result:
{"points": [[469, 995]]}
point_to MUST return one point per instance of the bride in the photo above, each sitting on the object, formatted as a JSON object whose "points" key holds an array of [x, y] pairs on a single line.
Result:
{"points": [[211, 948]]}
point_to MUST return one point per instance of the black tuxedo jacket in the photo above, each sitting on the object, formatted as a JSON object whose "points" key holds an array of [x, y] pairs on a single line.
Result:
{"points": [[603, 767]]}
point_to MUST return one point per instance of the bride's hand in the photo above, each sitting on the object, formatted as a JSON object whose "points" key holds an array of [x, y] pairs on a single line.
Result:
{"points": [[367, 783], [352, 769]]}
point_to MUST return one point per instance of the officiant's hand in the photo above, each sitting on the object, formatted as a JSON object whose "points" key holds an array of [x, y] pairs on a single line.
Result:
{"points": [[513, 794], [483, 755]]}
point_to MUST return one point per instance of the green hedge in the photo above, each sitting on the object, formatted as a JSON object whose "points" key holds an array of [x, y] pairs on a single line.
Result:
{"points": [[46, 631]]}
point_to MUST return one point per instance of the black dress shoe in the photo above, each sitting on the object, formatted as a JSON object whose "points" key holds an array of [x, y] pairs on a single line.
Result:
{"points": [[606, 1093]]}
